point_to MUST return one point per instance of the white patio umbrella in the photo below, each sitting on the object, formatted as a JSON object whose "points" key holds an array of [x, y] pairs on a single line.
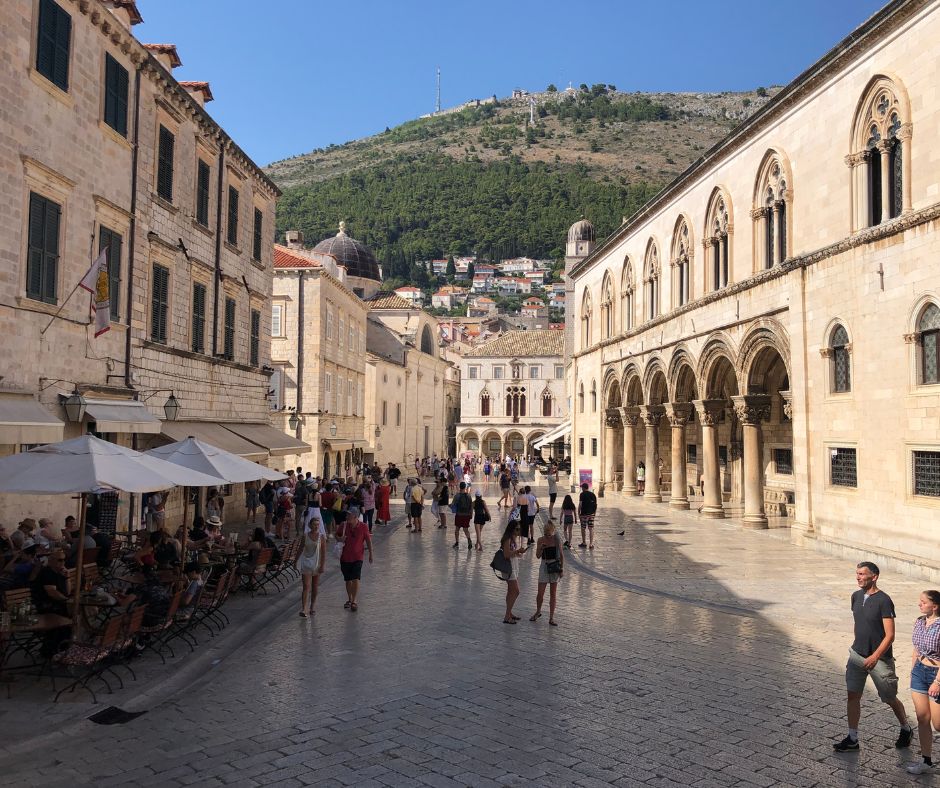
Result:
{"points": [[196, 455], [90, 465]]}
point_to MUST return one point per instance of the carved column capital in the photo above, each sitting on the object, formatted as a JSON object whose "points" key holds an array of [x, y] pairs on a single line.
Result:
{"points": [[758, 213], [630, 416], [912, 339], [612, 417], [709, 411], [905, 132], [651, 414], [853, 160], [884, 147], [787, 397], [825, 352], [677, 413], [752, 408]]}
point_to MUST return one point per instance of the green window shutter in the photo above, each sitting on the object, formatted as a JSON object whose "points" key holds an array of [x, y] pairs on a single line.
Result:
{"points": [[229, 338], [112, 241], [35, 252], [199, 318], [115, 95], [53, 42], [255, 345], [256, 241], [160, 296], [50, 263], [202, 194], [233, 216], [165, 155]]}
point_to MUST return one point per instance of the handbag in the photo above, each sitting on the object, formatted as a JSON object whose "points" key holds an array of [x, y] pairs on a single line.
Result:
{"points": [[501, 565], [553, 567]]}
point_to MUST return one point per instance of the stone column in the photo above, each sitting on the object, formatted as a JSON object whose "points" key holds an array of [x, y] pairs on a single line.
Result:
{"points": [[678, 416], [751, 410], [760, 232], [651, 415], [708, 413], [611, 422], [904, 135], [775, 252], [884, 148], [630, 418]]}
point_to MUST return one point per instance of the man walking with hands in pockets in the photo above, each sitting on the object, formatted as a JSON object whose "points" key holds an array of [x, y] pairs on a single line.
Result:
{"points": [[871, 655]]}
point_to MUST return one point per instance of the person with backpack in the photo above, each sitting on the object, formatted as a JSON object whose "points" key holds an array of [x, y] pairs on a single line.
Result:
{"points": [[463, 510], [503, 488], [441, 499], [587, 508], [481, 515], [266, 497], [551, 566]]}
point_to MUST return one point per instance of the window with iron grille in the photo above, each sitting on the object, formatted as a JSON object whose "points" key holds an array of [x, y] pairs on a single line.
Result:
{"points": [[53, 43], [593, 447], [841, 371], [232, 236], [254, 344], [842, 467], [42, 259], [112, 241], [202, 193], [199, 318], [783, 462], [159, 303], [397, 414], [580, 445], [929, 328], [115, 95], [228, 345], [926, 473], [165, 154], [256, 236]]}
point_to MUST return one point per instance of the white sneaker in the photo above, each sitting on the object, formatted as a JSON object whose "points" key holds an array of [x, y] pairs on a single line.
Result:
{"points": [[921, 768]]}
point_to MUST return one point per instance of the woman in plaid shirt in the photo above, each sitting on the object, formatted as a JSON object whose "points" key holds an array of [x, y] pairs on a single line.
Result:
{"points": [[925, 683]]}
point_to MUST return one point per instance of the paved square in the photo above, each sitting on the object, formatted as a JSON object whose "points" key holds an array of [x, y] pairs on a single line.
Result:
{"points": [[688, 653]]}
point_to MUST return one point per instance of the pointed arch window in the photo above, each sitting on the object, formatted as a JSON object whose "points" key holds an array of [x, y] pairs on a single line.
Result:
{"points": [[581, 397], [880, 164], [841, 366], [651, 272], [547, 403], [771, 213], [626, 295], [593, 396], [682, 263], [586, 319], [718, 241], [928, 329], [607, 307], [515, 402], [484, 403]]}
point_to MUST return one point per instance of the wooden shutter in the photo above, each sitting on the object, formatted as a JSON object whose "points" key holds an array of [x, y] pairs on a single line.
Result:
{"points": [[233, 215], [256, 245], [255, 346], [160, 299], [34, 259], [50, 263], [199, 318], [202, 194], [229, 340], [112, 241], [53, 42], [115, 95], [165, 154]]}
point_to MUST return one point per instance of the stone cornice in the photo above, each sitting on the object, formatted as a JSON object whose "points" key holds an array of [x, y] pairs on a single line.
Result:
{"points": [[863, 38], [902, 223], [183, 103]]}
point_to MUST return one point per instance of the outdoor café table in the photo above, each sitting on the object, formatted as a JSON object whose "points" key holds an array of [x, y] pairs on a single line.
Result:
{"points": [[96, 609], [24, 637]]}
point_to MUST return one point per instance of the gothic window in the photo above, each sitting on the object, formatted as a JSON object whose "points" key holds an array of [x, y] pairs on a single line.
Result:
{"points": [[607, 307], [485, 403], [581, 398], [682, 263], [427, 343], [841, 369], [717, 240], [593, 396], [516, 402], [880, 159], [586, 316], [626, 295], [651, 280], [546, 403], [928, 327], [771, 213]]}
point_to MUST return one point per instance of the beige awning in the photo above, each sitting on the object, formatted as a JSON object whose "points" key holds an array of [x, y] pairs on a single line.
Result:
{"points": [[214, 434], [336, 445], [276, 442], [24, 420], [121, 415]]}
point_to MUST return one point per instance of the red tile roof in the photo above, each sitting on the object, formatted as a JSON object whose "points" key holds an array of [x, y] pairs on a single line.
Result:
{"points": [[131, 7], [286, 258], [166, 49], [202, 87]]}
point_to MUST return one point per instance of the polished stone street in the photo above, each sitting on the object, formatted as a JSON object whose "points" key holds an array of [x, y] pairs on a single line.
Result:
{"points": [[689, 653]]}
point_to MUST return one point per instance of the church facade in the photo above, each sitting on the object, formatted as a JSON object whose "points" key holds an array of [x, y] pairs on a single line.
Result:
{"points": [[763, 335]]}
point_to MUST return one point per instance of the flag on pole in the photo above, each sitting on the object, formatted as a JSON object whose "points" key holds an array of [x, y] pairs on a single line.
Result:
{"points": [[97, 283]]}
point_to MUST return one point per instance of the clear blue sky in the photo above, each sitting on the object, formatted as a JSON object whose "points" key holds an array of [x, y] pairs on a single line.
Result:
{"points": [[293, 75]]}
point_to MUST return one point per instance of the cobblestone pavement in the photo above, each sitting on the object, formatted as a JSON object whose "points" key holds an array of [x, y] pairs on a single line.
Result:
{"points": [[688, 653]]}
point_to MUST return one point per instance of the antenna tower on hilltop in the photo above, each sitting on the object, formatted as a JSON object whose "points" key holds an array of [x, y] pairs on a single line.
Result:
{"points": [[437, 104]]}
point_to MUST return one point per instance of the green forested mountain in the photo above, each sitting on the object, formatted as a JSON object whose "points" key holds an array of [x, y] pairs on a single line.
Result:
{"points": [[486, 180]]}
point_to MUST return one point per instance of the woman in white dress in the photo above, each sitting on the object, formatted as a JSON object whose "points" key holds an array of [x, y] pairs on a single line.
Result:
{"points": [[312, 557]]}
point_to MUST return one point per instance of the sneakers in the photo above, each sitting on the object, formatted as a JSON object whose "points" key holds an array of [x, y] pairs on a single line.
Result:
{"points": [[846, 745], [904, 738], [922, 768]]}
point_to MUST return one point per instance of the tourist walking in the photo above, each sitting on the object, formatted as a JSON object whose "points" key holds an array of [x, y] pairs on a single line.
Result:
{"points": [[441, 497], [925, 683], [251, 502], [481, 516], [521, 503], [463, 511], [871, 654], [312, 558], [587, 508], [511, 545], [406, 498], [552, 563], [266, 497], [532, 509], [367, 496], [569, 516], [417, 505], [641, 477], [382, 495], [552, 479], [355, 537], [504, 485]]}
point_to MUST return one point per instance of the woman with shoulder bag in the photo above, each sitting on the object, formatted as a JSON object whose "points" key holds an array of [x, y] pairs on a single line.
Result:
{"points": [[551, 568], [481, 516], [312, 558], [925, 678], [512, 549]]}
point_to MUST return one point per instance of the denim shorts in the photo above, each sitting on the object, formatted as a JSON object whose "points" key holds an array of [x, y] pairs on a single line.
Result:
{"points": [[921, 679]]}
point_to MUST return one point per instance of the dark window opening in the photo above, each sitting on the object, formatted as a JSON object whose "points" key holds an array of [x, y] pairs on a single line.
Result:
{"points": [[843, 468], [53, 43], [115, 95]]}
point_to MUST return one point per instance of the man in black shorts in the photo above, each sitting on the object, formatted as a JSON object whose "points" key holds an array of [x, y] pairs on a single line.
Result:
{"points": [[587, 508], [871, 655]]}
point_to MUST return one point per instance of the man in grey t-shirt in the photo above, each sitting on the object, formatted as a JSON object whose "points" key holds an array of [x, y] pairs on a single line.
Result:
{"points": [[871, 655]]}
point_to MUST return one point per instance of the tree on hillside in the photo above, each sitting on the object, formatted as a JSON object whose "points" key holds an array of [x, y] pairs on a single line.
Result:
{"points": [[451, 270], [551, 88], [470, 268]]}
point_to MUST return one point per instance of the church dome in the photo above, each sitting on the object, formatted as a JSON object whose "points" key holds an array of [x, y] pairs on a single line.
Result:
{"points": [[581, 231], [355, 256]]}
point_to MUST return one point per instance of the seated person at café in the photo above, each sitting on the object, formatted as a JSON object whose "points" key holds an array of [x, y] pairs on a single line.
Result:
{"points": [[49, 531], [214, 530], [50, 588], [23, 532], [156, 552], [193, 589], [71, 537], [198, 535], [6, 544], [103, 543], [21, 569], [258, 542]]}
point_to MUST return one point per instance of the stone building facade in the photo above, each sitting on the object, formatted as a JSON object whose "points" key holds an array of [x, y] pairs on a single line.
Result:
{"points": [[319, 355], [767, 326], [103, 148], [512, 394]]}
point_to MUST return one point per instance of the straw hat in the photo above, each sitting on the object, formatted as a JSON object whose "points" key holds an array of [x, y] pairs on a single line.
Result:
{"points": [[214, 520], [29, 522]]}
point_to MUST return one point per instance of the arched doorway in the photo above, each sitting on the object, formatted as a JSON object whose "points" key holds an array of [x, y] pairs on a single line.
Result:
{"points": [[685, 469], [514, 444], [657, 462], [634, 438], [721, 433], [613, 435], [492, 444]]}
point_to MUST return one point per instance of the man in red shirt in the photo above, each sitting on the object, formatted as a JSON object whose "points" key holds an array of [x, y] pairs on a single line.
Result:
{"points": [[355, 536]]}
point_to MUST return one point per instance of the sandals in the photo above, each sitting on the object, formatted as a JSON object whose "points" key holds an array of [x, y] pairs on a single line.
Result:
{"points": [[510, 621], [535, 617], [302, 614], [347, 605], [552, 623], [354, 607]]}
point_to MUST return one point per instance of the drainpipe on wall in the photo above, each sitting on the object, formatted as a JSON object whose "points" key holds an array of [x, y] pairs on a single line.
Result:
{"points": [[218, 251]]}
